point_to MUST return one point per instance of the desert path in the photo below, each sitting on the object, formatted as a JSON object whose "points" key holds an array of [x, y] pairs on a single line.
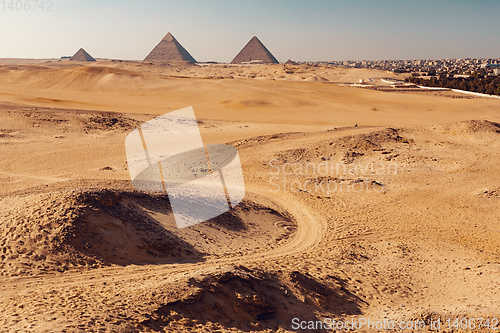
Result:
{"points": [[310, 230]]}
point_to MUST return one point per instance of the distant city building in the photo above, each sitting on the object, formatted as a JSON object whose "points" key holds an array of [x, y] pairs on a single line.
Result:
{"points": [[430, 67]]}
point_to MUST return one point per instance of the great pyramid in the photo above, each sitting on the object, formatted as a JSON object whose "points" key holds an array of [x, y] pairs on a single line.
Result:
{"points": [[82, 55], [169, 49], [255, 51]]}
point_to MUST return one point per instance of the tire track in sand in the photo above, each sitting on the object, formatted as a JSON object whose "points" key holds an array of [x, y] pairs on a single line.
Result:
{"points": [[309, 232]]}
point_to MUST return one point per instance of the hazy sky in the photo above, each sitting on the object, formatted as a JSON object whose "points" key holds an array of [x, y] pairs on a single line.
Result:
{"points": [[217, 30]]}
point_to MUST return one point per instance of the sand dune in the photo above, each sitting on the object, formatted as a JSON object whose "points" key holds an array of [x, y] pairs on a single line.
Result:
{"points": [[97, 228], [127, 89]]}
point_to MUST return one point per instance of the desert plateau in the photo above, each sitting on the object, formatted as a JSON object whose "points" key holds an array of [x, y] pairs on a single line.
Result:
{"points": [[360, 203]]}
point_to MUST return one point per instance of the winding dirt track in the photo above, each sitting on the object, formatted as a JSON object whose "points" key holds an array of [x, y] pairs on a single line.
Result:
{"points": [[308, 234]]}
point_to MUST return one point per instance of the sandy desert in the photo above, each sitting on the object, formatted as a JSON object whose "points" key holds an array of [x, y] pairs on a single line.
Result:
{"points": [[402, 223]]}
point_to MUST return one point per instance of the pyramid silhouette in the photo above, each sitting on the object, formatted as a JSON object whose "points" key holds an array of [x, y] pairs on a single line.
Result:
{"points": [[169, 49], [82, 55], [255, 51]]}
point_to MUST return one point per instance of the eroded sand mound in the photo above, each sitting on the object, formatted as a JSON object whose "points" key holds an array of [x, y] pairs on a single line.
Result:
{"points": [[367, 142], [62, 230], [243, 298], [94, 228], [347, 149], [59, 121], [470, 127]]}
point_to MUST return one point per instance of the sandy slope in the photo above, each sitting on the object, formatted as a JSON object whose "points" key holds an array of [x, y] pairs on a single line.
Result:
{"points": [[403, 227]]}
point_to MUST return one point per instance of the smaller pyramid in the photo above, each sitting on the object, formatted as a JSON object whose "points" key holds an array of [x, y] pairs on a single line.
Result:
{"points": [[169, 49], [82, 55], [255, 52]]}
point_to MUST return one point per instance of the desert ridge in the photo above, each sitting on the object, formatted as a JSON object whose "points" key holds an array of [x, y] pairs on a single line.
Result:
{"points": [[274, 94]]}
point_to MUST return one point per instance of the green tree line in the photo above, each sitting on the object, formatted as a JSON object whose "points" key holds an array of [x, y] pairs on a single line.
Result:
{"points": [[476, 83]]}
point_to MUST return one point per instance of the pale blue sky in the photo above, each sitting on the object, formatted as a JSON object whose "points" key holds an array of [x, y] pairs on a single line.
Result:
{"points": [[217, 30]]}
